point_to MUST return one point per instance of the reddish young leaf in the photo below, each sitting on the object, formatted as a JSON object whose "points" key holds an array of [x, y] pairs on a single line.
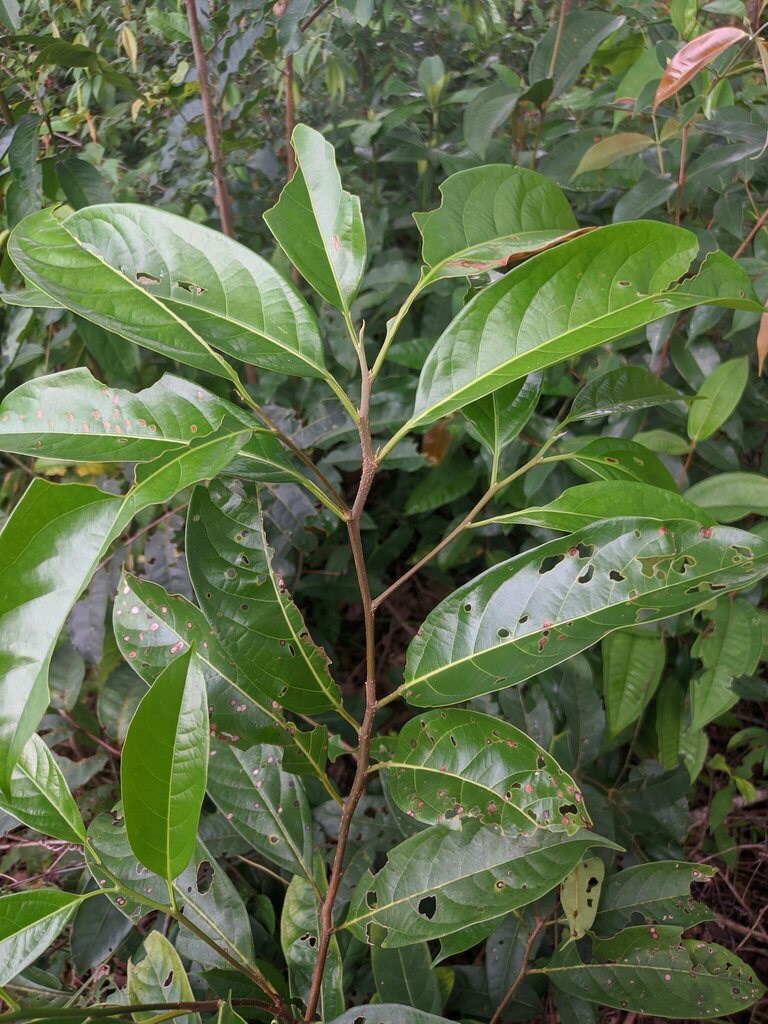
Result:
{"points": [[694, 56]]}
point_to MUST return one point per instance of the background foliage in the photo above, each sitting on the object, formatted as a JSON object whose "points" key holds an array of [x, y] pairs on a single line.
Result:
{"points": [[663, 728]]}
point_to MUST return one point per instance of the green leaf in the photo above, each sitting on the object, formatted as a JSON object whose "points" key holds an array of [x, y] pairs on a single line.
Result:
{"points": [[264, 804], [489, 217], [98, 933], [632, 665], [29, 923], [538, 609], [486, 112], [39, 795], [615, 458], [82, 183], [571, 46], [670, 709], [164, 766], [24, 193], [450, 479], [585, 504], [405, 975], [625, 389], [48, 548], [731, 496], [387, 1013], [580, 894], [505, 949], [728, 647], [662, 441], [159, 978], [607, 151], [463, 764], [658, 892], [503, 334], [9, 14], [300, 938], [717, 397], [215, 906], [73, 417], [657, 974], [256, 622], [152, 279], [498, 418], [318, 224], [445, 880], [227, 1015]]}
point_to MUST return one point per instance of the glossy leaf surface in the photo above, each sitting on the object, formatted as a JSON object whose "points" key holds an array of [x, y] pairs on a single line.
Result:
{"points": [[561, 303], [632, 665], [387, 1013], [29, 922], [445, 880], [159, 978], [717, 397], [694, 57], [498, 418], [624, 389], [172, 286], [463, 764], [540, 608], [164, 766], [731, 496], [318, 224], [39, 795], [244, 598], [614, 458], [658, 892]]}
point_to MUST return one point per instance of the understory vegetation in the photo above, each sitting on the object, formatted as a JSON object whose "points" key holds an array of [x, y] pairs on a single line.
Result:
{"points": [[383, 511]]}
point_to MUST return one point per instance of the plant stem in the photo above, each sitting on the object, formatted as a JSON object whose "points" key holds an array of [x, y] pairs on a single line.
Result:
{"points": [[394, 324], [368, 471], [755, 228], [681, 176], [80, 1012], [520, 976], [221, 195]]}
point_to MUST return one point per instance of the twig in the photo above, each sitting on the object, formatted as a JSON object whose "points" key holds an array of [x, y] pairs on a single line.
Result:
{"points": [[304, 25], [221, 194], [91, 736], [681, 176], [558, 38], [755, 228], [357, 788], [290, 115], [145, 529], [520, 976]]}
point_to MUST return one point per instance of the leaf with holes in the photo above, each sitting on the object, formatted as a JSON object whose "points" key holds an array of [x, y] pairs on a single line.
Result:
{"points": [[159, 977], [203, 890], [300, 937], [39, 795], [625, 389], [693, 57], [541, 607], [658, 893], [584, 293], [172, 286], [654, 972], [445, 880], [29, 923], [632, 665], [585, 504], [318, 224], [459, 763], [49, 547], [580, 894], [244, 599], [163, 768], [265, 804], [490, 217]]}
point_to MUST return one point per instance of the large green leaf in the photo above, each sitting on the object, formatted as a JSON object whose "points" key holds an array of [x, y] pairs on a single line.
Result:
{"points": [[463, 764], [498, 418], [729, 646], [654, 972], [562, 53], [245, 600], [164, 766], [731, 496], [264, 804], [300, 938], [170, 285], [444, 880], [39, 795], [624, 389], [585, 504], [541, 607], [318, 224], [633, 661], [489, 217], [566, 301], [73, 417], [658, 892], [717, 397], [29, 923], [406, 975], [48, 549], [159, 978], [213, 905]]}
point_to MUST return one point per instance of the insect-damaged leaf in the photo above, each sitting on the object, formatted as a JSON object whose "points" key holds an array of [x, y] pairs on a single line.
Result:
{"points": [[652, 971], [463, 764], [566, 301], [245, 600], [318, 224], [159, 977], [164, 766], [29, 923], [151, 277], [387, 1013], [580, 893], [444, 880], [543, 606]]}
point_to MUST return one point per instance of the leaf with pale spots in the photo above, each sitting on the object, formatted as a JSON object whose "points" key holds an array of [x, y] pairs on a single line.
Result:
{"points": [[538, 609], [658, 892], [654, 972], [245, 600], [158, 976], [265, 804], [460, 763]]}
